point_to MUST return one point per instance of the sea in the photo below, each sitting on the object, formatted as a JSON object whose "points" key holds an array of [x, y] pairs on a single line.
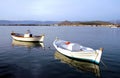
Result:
{"points": [[42, 60]]}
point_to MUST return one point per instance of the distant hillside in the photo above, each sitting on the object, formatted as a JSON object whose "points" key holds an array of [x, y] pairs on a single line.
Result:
{"points": [[27, 22], [84, 23], [97, 23], [49, 23]]}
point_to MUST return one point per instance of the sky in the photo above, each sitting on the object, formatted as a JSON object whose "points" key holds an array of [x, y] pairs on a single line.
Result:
{"points": [[60, 10]]}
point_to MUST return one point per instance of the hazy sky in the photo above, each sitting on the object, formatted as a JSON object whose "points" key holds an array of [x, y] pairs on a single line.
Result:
{"points": [[59, 10]]}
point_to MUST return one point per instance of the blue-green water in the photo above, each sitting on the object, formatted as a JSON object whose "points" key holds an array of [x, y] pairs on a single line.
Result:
{"points": [[28, 60]]}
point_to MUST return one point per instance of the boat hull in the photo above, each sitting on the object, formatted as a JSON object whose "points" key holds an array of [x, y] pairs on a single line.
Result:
{"points": [[29, 39], [27, 44]]}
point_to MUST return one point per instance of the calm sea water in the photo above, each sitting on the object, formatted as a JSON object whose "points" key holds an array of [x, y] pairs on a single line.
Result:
{"points": [[41, 60]]}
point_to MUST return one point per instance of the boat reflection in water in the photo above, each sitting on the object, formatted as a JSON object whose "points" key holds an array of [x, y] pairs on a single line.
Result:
{"points": [[28, 44], [79, 65]]}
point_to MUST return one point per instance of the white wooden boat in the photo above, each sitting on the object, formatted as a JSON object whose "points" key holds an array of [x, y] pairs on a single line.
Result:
{"points": [[27, 37], [79, 65], [76, 51]]}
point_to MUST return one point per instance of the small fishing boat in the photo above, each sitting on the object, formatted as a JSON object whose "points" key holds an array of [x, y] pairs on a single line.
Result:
{"points": [[76, 51], [27, 37]]}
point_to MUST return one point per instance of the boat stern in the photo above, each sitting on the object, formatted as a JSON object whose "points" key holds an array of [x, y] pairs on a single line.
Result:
{"points": [[42, 38], [98, 56]]}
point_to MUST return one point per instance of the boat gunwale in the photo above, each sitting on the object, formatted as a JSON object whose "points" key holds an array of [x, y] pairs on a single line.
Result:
{"points": [[22, 36]]}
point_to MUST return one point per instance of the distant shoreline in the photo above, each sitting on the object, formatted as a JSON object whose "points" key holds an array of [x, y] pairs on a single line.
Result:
{"points": [[60, 23], [112, 26]]}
